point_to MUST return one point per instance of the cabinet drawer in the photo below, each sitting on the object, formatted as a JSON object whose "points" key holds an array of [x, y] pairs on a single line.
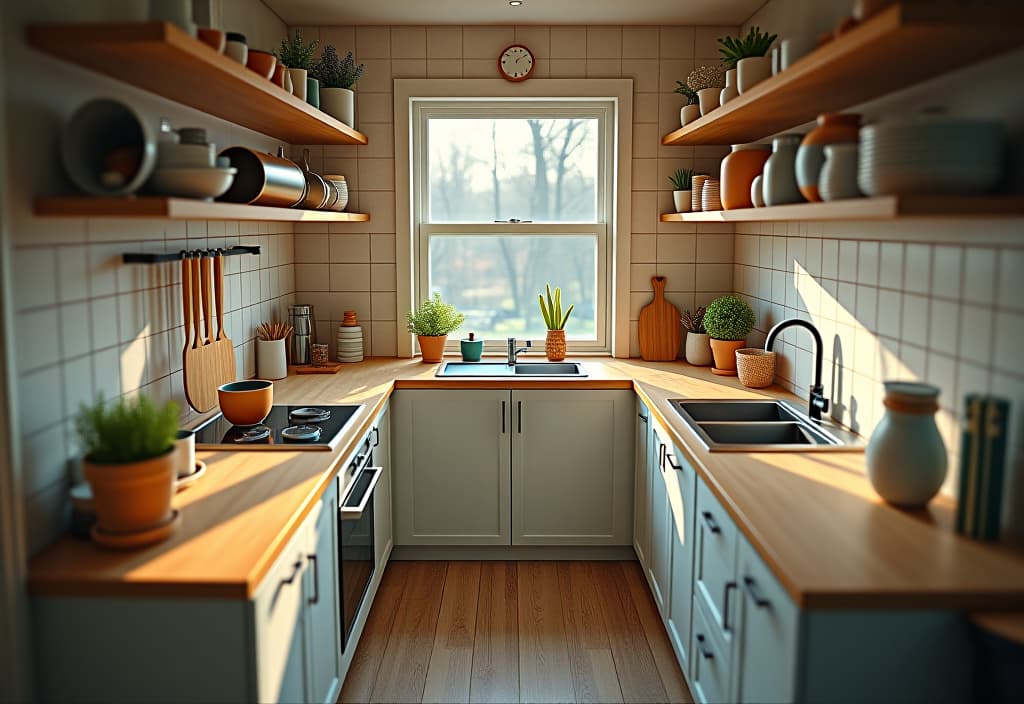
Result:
{"points": [[715, 561], [709, 660]]}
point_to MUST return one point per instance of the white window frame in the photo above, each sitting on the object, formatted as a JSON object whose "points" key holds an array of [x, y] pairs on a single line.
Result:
{"points": [[618, 91], [602, 111]]}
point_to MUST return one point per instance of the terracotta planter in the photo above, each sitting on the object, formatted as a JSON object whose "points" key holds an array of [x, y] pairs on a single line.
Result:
{"points": [[554, 345], [432, 347], [833, 128], [739, 169], [134, 496], [724, 352]]}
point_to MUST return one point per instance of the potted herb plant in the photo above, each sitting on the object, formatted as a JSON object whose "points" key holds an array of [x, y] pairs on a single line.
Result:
{"points": [[749, 56], [691, 110], [728, 320], [337, 76], [129, 462], [698, 342], [682, 183], [707, 82], [431, 322], [298, 57], [554, 319]]}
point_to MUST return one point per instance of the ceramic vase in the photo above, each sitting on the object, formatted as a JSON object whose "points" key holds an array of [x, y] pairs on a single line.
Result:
{"points": [[833, 128], [554, 345], [779, 184], [432, 347], [697, 182], [471, 349], [683, 200], [271, 359], [751, 71], [730, 91], [724, 352], [708, 98], [739, 169], [339, 103], [131, 497], [698, 349], [688, 113], [838, 178], [757, 191], [313, 91], [906, 457], [298, 76]]}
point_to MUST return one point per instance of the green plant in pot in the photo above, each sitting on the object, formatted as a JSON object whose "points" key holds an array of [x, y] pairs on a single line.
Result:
{"points": [[748, 55], [298, 57], [337, 76], [431, 322], [128, 461], [691, 109], [728, 320], [555, 320], [682, 184]]}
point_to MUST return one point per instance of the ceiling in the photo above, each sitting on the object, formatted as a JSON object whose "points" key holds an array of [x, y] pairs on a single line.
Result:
{"points": [[632, 12]]}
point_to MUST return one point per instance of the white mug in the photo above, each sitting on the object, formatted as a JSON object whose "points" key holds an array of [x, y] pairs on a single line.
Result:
{"points": [[790, 50], [185, 453]]}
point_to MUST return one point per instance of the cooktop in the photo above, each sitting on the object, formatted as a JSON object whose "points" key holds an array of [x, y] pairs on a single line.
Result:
{"points": [[286, 428]]}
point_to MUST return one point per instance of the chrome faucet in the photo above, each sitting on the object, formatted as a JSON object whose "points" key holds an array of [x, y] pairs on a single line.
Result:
{"points": [[817, 403], [513, 351]]}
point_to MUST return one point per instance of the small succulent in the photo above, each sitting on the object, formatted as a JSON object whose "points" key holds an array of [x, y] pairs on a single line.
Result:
{"points": [[551, 309], [694, 322], [687, 92], [295, 54], [729, 318], [335, 72], [712, 76], [755, 43], [682, 179]]}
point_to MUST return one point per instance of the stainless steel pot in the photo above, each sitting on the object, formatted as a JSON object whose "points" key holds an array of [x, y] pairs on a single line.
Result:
{"points": [[264, 179], [318, 191]]}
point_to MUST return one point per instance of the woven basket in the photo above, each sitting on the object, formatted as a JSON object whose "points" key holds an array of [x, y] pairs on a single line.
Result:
{"points": [[755, 367], [554, 345]]}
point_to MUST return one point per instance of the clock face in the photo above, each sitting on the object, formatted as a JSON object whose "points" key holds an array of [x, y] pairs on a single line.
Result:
{"points": [[515, 63]]}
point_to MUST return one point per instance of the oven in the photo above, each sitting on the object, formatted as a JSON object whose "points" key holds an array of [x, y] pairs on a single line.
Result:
{"points": [[356, 556]]}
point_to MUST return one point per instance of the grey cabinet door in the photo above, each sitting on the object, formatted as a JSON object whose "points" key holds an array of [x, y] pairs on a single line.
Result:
{"points": [[322, 614], [682, 498], [659, 570], [572, 467], [641, 498], [450, 467], [382, 523]]}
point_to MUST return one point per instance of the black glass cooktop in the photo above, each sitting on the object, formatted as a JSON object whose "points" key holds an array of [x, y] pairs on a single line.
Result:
{"points": [[286, 428]]}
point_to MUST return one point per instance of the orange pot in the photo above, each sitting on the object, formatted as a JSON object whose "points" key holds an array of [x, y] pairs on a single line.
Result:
{"points": [[262, 62], [554, 345], [725, 355], [432, 347], [246, 402], [739, 169], [833, 128], [133, 496], [214, 38]]}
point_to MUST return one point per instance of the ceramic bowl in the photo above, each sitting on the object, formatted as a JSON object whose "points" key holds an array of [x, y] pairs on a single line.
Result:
{"points": [[246, 402], [214, 38], [106, 138], [262, 62], [171, 155], [206, 183]]}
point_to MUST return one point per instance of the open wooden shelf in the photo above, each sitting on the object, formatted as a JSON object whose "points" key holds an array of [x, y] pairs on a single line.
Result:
{"points": [[181, 209], [883, 208], [162, 59], [904, 44]]}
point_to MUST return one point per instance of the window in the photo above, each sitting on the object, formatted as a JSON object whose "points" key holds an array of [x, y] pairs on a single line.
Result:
{"points": [[512, 195]]}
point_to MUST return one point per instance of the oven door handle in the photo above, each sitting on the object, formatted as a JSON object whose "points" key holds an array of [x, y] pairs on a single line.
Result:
{"points": [[354, 513]]}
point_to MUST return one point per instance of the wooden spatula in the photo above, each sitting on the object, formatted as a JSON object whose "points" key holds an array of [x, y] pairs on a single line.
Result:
{"points": [[200, 379], [223, 350]]}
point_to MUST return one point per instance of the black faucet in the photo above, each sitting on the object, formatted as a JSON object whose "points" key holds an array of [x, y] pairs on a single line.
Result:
{"points": [[818, 402]]}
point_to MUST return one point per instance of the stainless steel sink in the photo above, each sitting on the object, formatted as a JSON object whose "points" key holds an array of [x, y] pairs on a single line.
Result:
{"points": [[725, 425], [520, 369]]}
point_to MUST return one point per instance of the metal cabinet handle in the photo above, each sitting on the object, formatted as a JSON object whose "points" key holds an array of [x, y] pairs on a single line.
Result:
{"points": [[295, 572], [502, 417], [376, 436], [729, 586], [519, 411], [750, 586], [661, 455], [354, 513], [704, 651], [316, 580], [710, 522], [642, 417], [672, 463]]}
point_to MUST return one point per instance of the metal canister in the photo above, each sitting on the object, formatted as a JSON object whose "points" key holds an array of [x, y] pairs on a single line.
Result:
{"points": [[304, 323], [264, 179]]}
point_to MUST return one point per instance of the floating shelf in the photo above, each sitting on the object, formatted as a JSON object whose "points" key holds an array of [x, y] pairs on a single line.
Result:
{"points": [[181, 209], [883, 208], [904, 44], [162, 59]]}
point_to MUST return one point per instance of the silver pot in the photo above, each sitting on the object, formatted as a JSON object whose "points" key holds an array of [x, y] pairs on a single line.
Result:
{"points": [[318, 191], [264, 179]]}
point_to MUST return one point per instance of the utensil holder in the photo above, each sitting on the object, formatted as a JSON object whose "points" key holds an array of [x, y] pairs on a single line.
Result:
{"points": [[271, 359]]}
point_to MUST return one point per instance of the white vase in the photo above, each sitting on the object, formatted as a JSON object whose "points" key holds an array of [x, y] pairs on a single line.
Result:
{"points": [[298, 76], [730, 91], [838, 178], [688, 113], [683, 200], [698, 349], [339, 103], [288, 81], [757, 191], [271, 359], [753, 70], [708, 99]]}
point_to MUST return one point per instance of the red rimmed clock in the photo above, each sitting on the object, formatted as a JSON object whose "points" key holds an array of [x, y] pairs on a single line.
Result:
{"points": [[516, 63]]}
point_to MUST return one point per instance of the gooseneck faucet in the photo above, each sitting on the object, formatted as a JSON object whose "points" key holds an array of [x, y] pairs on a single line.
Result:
{"points": [[818, 403], [514, 351]]}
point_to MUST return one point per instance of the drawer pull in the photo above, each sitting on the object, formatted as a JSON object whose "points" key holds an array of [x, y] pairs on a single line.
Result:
{"points": [[642, 417], [710, 522], [671, 462], [729, 586], [751, 588], [502, 417], [316, 580], [662, 453], [376, 436], [703, 649], [295, 572]]}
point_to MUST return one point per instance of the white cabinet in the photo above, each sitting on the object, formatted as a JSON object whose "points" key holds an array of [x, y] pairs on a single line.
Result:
{"points": [[383, 536], [571, 467], [451, 467], [641, 497], [681, 480]]}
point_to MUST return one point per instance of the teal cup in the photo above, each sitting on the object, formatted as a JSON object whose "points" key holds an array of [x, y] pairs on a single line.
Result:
{"points": [[313, 92], [471, 350]]}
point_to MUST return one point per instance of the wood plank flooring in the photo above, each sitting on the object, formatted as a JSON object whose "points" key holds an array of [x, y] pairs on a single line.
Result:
{"points": [[514, 632]]}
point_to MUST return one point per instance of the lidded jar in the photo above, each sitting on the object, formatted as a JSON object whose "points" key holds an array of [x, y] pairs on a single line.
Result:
{"points": [[739, 169], [780, 171]]}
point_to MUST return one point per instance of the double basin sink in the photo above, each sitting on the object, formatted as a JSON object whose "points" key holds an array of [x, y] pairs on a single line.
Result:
{"points": [[466, 369]]}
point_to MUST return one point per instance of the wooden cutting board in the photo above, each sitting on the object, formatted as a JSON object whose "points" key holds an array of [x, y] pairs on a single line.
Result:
{"points": [[198, 368], [222, 349], [659, 326]]}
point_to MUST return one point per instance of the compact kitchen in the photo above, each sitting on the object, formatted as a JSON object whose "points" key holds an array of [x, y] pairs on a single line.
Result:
{"points": [[512, 351]]}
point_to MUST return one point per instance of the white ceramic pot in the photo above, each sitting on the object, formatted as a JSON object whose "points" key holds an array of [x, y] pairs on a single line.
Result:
{"points": [[708, 99], [752, 71], [757, 191], [698, 349], [271, 359], [339, 103], [683, 200], [730, 91], [790, 50], [185, 453], [689, 113], [298, 76], [838, 177]]}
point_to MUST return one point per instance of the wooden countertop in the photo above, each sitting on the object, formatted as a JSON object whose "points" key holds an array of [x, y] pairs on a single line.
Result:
{"points": [[813, 517]]}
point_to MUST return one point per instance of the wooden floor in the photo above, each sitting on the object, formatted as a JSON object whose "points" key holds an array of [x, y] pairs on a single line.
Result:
{"points": [[514, 632]]}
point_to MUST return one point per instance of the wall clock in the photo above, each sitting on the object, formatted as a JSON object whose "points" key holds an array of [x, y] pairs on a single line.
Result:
{"points": [[515, 63]]}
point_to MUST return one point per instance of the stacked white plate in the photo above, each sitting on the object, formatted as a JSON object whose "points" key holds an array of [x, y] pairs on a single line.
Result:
{"points": [[930, 154], [350, 343]]}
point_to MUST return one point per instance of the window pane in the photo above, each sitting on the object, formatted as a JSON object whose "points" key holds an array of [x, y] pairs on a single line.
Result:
{"points": [[481, 170], [494, 281]]}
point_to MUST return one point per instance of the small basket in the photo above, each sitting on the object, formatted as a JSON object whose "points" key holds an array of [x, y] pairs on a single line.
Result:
{"points": [[755, 367]]}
